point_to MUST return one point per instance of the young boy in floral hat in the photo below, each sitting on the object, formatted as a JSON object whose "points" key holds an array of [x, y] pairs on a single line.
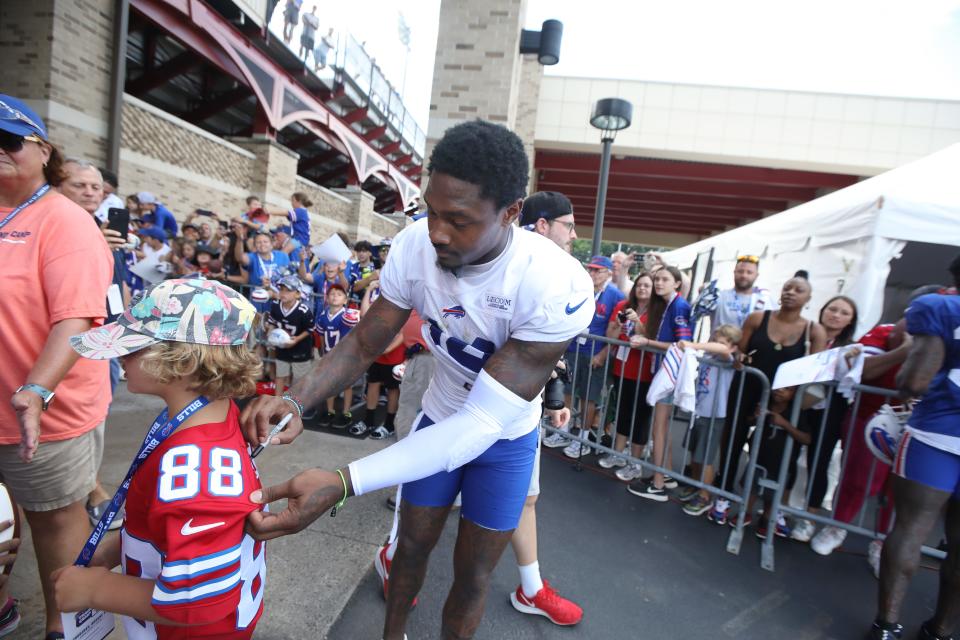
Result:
{"points": [[188, 567]]}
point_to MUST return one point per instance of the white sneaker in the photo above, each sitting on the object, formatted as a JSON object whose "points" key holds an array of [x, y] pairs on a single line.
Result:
{"points": [[630, 472], [874, 549], [803, 531], [827, 541], [555, 441], [358, 428], [610, 461], [576, 450]]}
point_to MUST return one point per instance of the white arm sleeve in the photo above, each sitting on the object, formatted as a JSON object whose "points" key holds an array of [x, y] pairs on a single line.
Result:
{"points": [[445, 446]]}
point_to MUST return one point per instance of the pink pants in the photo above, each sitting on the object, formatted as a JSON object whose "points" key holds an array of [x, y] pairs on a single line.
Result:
{"points": [[853, 490]]}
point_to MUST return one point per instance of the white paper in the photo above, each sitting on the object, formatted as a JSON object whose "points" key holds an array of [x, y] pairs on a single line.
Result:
{"points": [[331, 250], [89, 624], [114, 300], [819, 367], [623, 353], [150, 270]]}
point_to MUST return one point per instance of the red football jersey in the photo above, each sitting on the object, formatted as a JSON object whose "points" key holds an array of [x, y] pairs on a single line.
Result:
{"points": [[184, 530], [877, 342]]}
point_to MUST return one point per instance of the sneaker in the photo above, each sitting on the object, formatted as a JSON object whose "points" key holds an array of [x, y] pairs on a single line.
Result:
{"points": [[382, 564], [380, 433], [359, 428], [670, 483], [719, 511], [828, 539], [874, 549], [644, 489], [577, 449], [309, 414], [783, 529], [342, 420], [630, 472], [610, 461], [326, 419], [886, 631], [803, 531], [9, 617], [96, 511], [747, 520], [556, 440], [547, 603], [698, 505], [926, 634], [686, 494]]}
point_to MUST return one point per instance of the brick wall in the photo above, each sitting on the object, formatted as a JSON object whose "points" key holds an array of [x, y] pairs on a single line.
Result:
{"points": [[57, 56]]}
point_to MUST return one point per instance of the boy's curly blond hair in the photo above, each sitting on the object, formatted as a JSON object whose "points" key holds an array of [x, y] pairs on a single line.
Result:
{"points": [[215, 371], [729, 332]]}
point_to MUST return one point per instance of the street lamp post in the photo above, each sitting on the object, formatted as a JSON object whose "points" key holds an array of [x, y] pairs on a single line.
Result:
{"points": [[609, 115]]}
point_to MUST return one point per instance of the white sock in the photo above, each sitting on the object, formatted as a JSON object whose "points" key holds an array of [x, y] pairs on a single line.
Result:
{"points": [[391, 549], [530, 580]]}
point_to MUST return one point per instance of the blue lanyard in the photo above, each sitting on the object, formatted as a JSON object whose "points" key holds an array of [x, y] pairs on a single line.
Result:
{"points": [[159, 431], [36, 196]]}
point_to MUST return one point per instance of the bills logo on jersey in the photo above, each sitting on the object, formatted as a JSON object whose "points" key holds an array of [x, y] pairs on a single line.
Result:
{"points": [[453, 312], [680, 321], [351, 317]]}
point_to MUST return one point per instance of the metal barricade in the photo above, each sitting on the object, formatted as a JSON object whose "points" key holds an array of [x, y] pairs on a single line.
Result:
{"points": [[854, 430], [613, 387]]}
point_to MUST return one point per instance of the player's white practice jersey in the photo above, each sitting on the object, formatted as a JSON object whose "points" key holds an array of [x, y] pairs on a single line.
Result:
{"points": [[534, 291]]}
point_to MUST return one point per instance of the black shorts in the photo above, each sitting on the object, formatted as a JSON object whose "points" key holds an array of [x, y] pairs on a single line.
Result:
{"points": [[383, 373]]}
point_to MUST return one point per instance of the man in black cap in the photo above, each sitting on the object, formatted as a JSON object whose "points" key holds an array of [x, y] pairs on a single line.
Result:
{"points": [[550, 214]]}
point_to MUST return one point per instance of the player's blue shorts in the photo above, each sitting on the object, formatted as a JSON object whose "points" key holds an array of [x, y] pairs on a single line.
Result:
{"points": [[927, 465], [493, 486]]}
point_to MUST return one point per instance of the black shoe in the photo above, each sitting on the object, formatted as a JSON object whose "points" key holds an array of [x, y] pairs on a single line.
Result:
{"points": [[309, 414], [926, 634], [326, 419], [885, 631], [342, 420], [647, 490]]}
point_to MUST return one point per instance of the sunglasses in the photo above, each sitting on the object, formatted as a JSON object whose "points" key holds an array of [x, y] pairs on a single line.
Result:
{"points": [[12, 143], [753, 259]]}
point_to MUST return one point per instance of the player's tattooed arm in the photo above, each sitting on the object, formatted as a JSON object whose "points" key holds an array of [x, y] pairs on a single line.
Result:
{"points": [[336, 371], [524, 367], [925, 360]]}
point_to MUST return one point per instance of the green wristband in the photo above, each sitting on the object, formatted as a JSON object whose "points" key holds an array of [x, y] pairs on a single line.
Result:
{"points": [[343, 500]]}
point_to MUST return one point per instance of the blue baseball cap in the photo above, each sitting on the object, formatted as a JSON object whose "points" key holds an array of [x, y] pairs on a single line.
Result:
{"points": [[154, 232], [600, 262], [19, 119]]}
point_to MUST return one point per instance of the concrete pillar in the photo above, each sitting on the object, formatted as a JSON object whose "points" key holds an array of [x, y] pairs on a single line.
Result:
{"points": [[274, 173], [57, 56], [479, 72], [360, 216]]}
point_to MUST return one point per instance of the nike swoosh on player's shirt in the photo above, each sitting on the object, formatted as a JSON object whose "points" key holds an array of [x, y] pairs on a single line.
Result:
{"points": [[188, 530], [570, 309]]}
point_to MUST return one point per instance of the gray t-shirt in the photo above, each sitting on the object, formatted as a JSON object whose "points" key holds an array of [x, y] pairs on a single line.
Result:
{"points": [[733, 308]]}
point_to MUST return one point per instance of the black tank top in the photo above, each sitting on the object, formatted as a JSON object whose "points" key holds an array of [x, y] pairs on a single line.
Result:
{"points": [[768, 357]]}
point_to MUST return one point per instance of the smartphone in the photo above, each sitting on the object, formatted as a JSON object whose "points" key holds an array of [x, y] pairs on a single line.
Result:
{"points": [[119, 221]]}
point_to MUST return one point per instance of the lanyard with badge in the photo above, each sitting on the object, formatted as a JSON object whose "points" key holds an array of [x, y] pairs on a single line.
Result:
{"points": [[29, 201], [582, 340], [90, 624]]}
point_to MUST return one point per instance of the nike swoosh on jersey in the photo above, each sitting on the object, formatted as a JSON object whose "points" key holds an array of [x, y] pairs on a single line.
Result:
{"points": [[571, 310], [187, 529]]}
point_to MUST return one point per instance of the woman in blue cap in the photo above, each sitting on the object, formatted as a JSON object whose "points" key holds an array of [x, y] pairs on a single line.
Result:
{"points": [[57, 269]]}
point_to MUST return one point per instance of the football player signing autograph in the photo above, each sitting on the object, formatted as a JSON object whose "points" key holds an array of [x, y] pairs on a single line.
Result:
{"points": [[522, 299]]}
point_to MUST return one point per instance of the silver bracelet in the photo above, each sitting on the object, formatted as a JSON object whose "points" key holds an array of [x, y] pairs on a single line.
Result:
{"points": [[295, 402]]}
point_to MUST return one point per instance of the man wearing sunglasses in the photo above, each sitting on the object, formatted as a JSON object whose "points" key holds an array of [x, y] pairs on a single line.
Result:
{"points": [[57, 269], [734, 305]]}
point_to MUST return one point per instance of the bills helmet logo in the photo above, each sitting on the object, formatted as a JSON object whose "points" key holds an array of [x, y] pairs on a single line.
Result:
{"points": [[455, 312]]}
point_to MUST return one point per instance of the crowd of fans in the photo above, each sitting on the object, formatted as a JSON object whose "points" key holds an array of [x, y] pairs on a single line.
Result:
{"points": [[750, 326]]}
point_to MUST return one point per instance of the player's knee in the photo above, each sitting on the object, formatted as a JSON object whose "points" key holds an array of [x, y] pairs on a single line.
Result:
{"points": [[415, 543]]}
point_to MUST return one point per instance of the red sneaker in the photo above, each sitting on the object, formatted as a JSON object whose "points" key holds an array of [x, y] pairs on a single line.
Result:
{"points": [[382, 564], [548, 603]]}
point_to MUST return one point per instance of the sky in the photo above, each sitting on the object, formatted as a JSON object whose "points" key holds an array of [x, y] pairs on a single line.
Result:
{"points": [[870, 47]]}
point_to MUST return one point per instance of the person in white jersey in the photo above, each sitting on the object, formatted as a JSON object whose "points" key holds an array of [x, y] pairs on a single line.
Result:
{"points": [[500, 306]]}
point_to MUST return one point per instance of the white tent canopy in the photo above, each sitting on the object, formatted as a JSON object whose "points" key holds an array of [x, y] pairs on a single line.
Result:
{"points": [[847, 239]]}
